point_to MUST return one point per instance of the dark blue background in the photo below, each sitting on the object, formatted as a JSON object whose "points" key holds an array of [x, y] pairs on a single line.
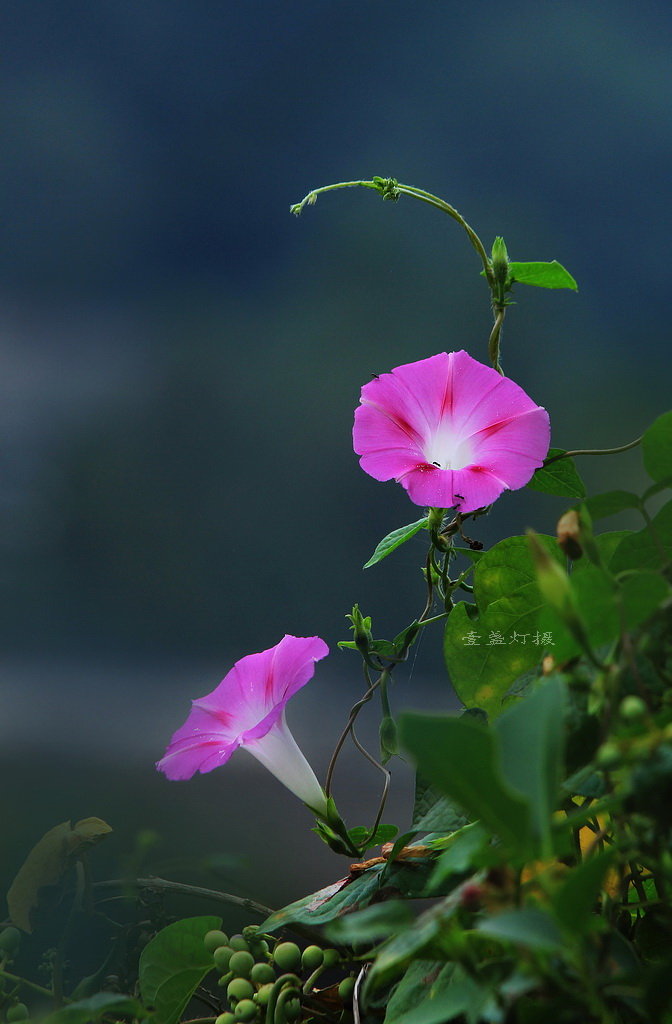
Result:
{"points": [[181, 357]]}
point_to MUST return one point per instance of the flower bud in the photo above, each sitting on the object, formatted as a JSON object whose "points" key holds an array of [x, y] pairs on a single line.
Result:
{"points": [[569, 534], [500, 261]]}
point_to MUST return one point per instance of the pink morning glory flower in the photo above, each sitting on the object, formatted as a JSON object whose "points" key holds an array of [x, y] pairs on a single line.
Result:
{"points": [[453, 432], [247, 710]]}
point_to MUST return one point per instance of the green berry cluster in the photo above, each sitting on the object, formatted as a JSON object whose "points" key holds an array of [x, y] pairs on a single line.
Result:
{"points": [[14, 1011], [263, 977]]}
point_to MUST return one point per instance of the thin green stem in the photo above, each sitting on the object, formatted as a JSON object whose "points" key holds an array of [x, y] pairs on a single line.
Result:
{"points": [[391, 189], [434, 618], [495, 338], [592, 451], [29, 984]]}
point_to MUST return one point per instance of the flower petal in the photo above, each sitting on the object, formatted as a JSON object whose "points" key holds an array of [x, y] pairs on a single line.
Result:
{"points": [[278, 751]]}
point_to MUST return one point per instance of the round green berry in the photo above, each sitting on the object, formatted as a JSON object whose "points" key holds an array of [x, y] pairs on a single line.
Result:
{"points": [[312, 958], [264, 994], [225, 1018], [331, 957], [222, 957], [214, 939], [238, 989], [632, 708], [262, 974], [238, 943], [259, 948], [246, 1010], [287, 956], [17, 1012], [10, 939], [241, 963], [346, 989]]}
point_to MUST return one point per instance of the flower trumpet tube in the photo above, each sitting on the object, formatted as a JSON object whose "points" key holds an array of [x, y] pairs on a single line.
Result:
{"points": [[247, 710], [453, 432]]}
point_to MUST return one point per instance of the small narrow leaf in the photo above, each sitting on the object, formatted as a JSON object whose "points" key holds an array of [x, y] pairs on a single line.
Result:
{"points": [[543, 275], [394, 540], [560, 477], [528, 927]]}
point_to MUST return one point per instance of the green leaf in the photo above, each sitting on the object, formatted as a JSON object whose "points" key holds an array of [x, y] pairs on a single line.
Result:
{"points": [[509, 607], [574, 901], [528, 927], [560, 478], [371, 924], [611, 502], [423, 982], [361, 834], [463, 853], [543, 275], [650, 548], [657, 448], [445, 1000], [461, 758], [434, 812], [662, 485], [394, 540], [91, 1009], [173, 965], [334, 900], [531, 735], [409, 944]]}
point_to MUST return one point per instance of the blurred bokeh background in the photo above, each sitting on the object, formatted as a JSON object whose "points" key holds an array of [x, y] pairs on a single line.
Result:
{"points": [[181, 359]]}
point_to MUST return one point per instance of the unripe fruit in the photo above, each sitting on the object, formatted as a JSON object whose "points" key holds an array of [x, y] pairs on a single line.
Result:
{"points": [[259, 948], [10, 939], [331, 957], [287, 956], [346, 989], [632, 708], [245, 1011], [225, 1018], [263, 995], [262, 974], [241, 963], [608, 755], [222, 957], [312, 958], [237, 942], [239, 989], [17, 1012], [213, 940]]}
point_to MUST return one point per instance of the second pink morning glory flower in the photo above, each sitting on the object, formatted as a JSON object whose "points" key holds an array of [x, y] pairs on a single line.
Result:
{"points": [[247, 710], [453, 432]]}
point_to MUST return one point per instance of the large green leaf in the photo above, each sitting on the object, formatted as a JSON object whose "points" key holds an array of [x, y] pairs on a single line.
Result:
{"points": [[434, 812], [650, 548], [527, 927], [372, 923], [560, 477], [543, 275], [334, 900], [443, 1001], [657, 448], [394, 540], [531, 735], [574, 902], [611, 502], [174, 964], [461, 758], [423, 982], [505, 625]]}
